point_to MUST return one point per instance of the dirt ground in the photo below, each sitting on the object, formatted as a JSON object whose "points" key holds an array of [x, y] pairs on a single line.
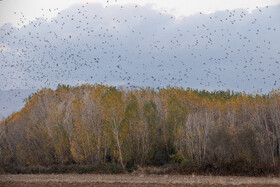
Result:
{"points": [[133, 180]]}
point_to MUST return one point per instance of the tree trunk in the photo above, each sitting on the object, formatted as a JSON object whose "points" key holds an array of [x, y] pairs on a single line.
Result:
{"points": [[116, 132]]}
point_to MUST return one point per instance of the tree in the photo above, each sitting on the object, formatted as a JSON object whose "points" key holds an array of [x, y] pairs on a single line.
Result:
{"points": [[114, 115]]}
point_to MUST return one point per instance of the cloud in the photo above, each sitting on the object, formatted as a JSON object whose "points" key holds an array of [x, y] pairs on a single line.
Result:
{"points": [[237, 50], [4, 48], [12, 101], [12, 10]]}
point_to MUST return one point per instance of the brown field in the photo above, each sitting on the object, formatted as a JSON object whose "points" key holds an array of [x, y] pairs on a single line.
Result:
{"points": [[133, 180]]}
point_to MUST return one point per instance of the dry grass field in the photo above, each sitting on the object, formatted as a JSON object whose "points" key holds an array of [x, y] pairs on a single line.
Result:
{"points": [[133, 180]]}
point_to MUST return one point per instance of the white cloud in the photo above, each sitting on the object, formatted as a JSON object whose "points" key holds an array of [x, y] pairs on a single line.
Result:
{"points": [[33, 8], [115, 83], [189, 7], [4, 48]]}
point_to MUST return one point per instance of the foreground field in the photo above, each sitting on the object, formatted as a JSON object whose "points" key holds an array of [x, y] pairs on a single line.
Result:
{"points": [[133, 180]]}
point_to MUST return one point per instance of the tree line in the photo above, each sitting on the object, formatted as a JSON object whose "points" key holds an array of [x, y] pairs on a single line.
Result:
{"points": [[96, 125]]}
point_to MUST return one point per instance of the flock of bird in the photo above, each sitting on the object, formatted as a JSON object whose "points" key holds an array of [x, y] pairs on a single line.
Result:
{"points": [[137, 46]]}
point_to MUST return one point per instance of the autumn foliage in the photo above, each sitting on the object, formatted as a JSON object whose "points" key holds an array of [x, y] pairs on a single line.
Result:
{"points": [[135, 128]]}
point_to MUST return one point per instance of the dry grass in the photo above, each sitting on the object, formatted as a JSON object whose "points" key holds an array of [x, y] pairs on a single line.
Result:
{"points": [[133, 180]]}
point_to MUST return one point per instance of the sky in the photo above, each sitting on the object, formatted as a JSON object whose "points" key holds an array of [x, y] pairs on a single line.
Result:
{"points": [[179, 8], [211, 45]]}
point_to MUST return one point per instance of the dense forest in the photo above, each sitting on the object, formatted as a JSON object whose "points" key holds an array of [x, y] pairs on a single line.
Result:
{"points": [[183, 129]]}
